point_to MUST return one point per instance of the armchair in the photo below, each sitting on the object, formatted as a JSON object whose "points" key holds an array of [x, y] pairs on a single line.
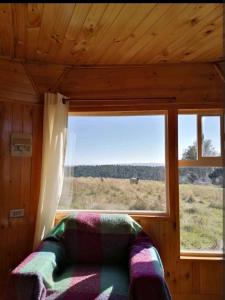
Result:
{"points": [[91, 256]]}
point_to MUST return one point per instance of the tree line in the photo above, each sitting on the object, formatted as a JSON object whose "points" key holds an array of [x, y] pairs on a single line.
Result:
{"points": [[157, 173], [118, 171]]}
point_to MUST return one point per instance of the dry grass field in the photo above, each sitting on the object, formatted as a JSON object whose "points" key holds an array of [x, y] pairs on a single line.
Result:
{"points": [[201, 206]]}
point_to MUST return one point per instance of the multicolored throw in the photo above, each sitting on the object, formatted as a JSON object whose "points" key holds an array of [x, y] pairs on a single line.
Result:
{"points": [[90, 256]]}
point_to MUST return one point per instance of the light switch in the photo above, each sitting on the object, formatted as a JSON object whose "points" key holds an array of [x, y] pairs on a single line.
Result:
{"points": [[16, 213]]}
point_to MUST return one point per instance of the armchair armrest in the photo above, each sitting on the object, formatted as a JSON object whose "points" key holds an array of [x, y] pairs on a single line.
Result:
{"points": [[146, 271], [29, 280]]}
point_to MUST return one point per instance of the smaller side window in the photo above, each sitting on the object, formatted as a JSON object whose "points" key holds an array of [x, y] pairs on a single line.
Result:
{"points": [[200, 182], [211, 141]]}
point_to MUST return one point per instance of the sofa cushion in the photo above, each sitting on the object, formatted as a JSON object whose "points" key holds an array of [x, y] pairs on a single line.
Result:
{"points": [[99, 238], [91, 282]]}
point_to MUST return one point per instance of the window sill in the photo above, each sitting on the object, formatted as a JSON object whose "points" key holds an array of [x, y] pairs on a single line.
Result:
{"points": [[202, 256], [131, 213], [61, 213]]}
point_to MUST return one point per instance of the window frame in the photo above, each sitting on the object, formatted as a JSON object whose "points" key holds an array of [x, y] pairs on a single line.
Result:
{"points": [[172, 171], [134, 213], [202, 162]]}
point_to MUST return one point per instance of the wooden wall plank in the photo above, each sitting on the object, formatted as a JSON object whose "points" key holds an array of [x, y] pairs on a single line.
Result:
{"points": [[20, 183], [44, 76], [15, 84], [5, 130], [187, 83], [211, 282], [196, 297], [6, 30]]}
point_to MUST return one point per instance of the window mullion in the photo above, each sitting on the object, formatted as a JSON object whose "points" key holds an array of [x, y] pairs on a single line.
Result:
{"points": [[222, 136], [199, 136]]}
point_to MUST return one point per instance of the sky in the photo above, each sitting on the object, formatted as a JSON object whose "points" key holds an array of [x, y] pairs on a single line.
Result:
{"points": [[187, 131], [124, 139]]}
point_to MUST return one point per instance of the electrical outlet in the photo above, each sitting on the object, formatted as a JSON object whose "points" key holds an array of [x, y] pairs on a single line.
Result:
{"points": [[16, 213]]}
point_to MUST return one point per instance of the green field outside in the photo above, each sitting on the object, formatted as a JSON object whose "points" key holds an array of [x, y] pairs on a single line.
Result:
{"points": [[201, 206]]}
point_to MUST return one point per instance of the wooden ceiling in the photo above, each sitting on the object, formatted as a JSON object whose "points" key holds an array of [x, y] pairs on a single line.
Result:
{"points": [[111, 33]]}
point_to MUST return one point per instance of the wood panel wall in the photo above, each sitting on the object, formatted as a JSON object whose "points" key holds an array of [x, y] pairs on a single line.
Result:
{"points": [[108, 88], [19, 176], [21, 110]]}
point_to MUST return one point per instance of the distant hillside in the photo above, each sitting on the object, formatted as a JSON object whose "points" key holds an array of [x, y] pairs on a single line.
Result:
{"points": [[147, 172], [118, 171]]}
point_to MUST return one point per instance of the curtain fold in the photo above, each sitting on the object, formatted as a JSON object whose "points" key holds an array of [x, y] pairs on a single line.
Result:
{"points": [[53, 156]]}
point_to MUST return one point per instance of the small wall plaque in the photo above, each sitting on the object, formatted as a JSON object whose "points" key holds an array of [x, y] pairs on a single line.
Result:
{"points": [[21, 144], [16, 213]]}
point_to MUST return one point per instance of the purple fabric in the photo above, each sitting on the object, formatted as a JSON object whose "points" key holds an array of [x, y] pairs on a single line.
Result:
{"points": [[146, 271], [93, 238], [27, 286], [83, 241]]}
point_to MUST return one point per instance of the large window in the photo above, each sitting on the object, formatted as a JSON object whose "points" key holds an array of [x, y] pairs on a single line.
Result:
{"points": [[200, 181], [116, 163]]}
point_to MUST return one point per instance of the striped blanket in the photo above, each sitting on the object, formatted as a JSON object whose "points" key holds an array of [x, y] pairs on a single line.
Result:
{"points": [[90, 256]]}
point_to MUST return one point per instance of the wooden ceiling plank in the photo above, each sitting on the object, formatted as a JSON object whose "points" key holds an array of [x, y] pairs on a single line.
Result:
{"points": [[88, 31], [106, 21], [111, 33], [155, 29], [34, 17], [190, 24], [127, 32], [44, 37], [142, 29], [75, 26], [19, 16], [209, 55], [6, 31], [124, 17], [62, 19], [213, 52], [161, 30], [34, 14], [212, 31], [189, 41]]}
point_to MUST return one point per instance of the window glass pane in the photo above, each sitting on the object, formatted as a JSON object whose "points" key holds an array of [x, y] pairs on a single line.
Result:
{"points": [[115, 163], [187, 137], [201, 208], [211, 136]]}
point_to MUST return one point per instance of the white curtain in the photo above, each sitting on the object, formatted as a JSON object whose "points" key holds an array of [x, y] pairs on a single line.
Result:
{"points": [[53, 155]]}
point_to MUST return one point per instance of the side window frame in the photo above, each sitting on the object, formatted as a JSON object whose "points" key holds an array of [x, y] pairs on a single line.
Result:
{"points": [[202, 162]]}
